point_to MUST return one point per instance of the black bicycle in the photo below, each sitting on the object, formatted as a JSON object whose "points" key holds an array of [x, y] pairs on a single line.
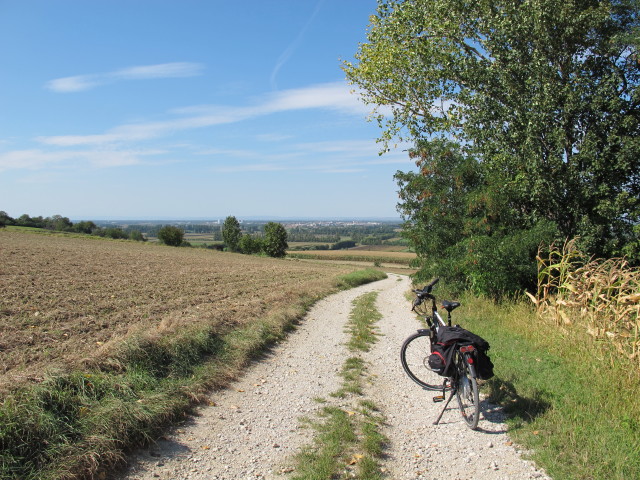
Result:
{"points": [[456, 373]]}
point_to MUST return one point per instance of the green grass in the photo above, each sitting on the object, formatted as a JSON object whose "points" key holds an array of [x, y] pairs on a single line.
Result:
{"points": [[572, 401], [363, 317], [335, 435], [79, 424], [360, 277], [348, 442]]}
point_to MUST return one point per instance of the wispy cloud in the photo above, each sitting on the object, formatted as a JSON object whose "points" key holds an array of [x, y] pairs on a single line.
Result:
{"points": [[164, 70], [333, 96], [35, 159], [331, 157]]}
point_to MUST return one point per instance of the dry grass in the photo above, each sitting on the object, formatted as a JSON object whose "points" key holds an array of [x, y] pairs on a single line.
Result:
{"points": [[65, 301], [601, 296]]}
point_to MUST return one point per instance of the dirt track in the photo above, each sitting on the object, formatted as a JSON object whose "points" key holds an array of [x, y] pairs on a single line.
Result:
{"points": [[252, 429]]}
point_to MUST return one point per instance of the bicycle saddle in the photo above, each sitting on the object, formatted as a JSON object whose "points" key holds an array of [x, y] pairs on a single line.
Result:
{"points": [[449, 306]]}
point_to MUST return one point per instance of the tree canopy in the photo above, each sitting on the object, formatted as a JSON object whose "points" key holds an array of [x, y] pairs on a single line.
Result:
{"points": [[231, 233], [170, 235], [540, 97], [275, 240]]}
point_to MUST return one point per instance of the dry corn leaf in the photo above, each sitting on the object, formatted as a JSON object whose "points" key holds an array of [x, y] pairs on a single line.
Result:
{"points": [[532, 298]]}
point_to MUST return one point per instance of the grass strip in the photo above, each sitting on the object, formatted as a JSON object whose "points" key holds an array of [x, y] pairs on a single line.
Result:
{"points": [[360, 277], [362, 319], [348, 441], [382, 258], [572, 401], [79, 424]]}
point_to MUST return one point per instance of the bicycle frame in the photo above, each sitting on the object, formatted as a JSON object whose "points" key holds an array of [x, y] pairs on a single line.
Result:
{"points": [[462, 381]]}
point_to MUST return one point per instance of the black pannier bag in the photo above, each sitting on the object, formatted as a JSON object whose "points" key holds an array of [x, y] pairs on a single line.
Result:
{"points": [[441, 359], [442, 352]]}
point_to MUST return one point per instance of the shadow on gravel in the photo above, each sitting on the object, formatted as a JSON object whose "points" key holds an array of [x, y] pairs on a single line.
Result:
{"points": [[502, 402]]}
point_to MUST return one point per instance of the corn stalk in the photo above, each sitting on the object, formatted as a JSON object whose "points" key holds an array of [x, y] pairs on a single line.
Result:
{"points": [[601, 296]]}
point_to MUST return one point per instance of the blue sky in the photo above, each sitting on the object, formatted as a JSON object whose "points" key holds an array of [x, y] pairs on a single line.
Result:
{"points": [[187, 109]]}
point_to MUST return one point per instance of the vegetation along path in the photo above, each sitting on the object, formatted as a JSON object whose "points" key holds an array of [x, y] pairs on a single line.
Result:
{"points": [[254, 428]]}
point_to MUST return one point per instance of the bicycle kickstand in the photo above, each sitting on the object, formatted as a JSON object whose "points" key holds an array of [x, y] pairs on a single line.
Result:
{"points": [[445, 406]]}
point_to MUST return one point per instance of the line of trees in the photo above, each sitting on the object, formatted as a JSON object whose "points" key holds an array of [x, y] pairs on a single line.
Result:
{"points": [[59, 223], [524, 118], [272, 243]]}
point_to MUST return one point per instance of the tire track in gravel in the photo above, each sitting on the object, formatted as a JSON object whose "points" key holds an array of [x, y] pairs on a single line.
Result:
{"points": [[418, 449], [253, 428]]}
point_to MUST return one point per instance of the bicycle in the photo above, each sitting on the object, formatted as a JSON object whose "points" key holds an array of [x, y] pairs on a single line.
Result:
{"points": [[461, 380]]}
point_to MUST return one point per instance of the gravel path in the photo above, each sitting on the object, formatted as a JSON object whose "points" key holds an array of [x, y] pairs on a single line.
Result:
{"points": [[252, 429]]}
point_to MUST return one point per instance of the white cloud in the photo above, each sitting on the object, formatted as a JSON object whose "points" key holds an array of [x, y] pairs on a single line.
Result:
{"points": [[163, 70], [333, 96], [73, 84], [35, 159], [85, 82]]}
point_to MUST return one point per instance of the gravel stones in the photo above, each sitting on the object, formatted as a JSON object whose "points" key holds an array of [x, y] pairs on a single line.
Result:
{"points": [[253, 428]]}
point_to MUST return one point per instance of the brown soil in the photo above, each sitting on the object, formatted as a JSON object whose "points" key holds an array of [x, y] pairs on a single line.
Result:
{"points": [[66, 299]]}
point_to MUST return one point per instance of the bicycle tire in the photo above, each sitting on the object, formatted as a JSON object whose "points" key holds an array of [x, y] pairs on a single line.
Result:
{"points": [[467, 392], [414, 356]]}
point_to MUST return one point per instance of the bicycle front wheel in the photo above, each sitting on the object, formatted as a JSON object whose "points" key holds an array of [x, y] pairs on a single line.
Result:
{"points": [[414, 356], [467, 392]]}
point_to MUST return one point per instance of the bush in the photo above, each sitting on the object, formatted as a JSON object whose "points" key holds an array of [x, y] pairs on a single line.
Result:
{"points": [[343, 245], [87, 227], [249, 245], [137, 236], [172, 236], [496, 265], [115, 233]]}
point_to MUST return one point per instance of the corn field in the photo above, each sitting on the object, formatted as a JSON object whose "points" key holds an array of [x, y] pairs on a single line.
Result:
{"points": [[602, 296]]}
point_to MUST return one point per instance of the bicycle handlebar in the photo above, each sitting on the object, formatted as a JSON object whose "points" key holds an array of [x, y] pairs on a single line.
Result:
{"points": [[427, 288], [424, 293]]}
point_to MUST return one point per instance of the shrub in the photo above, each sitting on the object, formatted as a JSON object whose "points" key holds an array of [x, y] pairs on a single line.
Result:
{"points": [[116, 233], [137, 236], [172, 236], [496, 265], [249, 245], [343, 245]]}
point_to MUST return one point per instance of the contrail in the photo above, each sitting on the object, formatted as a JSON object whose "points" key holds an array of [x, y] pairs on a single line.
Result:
{"points": [[284, 57]]}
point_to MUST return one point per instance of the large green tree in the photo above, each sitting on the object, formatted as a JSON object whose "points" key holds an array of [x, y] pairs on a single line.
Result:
{"points": [[231, 233], [542, 93], [275, 240]]}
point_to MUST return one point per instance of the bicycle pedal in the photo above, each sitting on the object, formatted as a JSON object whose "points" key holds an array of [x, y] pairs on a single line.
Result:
{"points": [[438, 398]]}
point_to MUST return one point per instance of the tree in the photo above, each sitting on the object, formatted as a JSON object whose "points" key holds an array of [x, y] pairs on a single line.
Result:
{"points": [[543, 94], [59, 223], [84, 227], [249, 245], [231, 233], [137, 236], [5, 219], [172, 236], [275, 240]]}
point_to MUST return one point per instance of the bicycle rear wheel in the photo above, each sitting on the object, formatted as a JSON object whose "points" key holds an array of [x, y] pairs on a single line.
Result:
{"points": [[414, 356], [467, 392]]}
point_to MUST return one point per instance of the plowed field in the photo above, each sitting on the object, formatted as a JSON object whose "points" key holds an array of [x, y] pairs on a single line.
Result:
{"points": [[64, 300]]}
